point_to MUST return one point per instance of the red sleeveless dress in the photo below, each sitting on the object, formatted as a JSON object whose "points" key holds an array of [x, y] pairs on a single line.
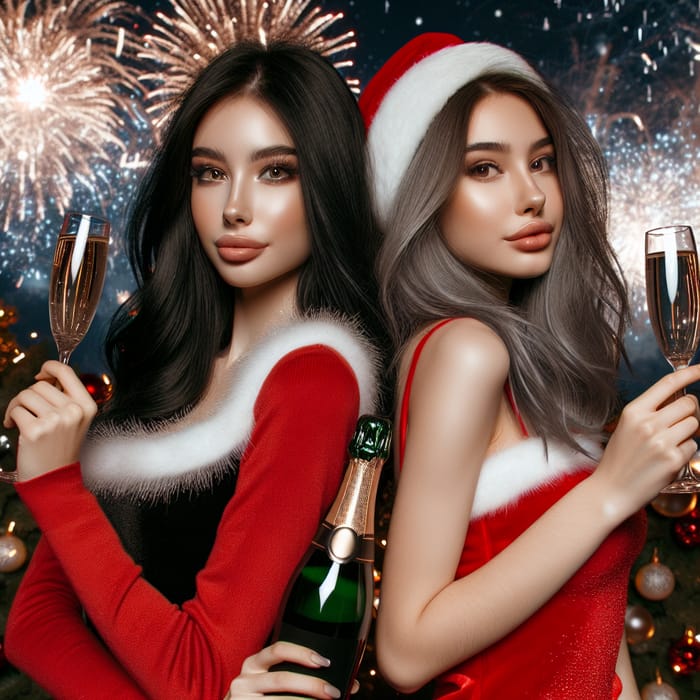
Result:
{"points": [[567, 650]]}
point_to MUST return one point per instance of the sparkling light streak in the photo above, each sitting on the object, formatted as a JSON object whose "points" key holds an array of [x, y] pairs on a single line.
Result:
{"points": [[182, 43], [65, 94], [631, 67]]}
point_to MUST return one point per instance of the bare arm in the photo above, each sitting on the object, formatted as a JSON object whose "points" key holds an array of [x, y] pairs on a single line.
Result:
{"points": [[623, 668], [428, 622]]}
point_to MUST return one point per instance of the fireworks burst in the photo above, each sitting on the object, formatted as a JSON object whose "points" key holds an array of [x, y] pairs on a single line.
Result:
{"points": [[201, 29], [638, 89], [64, 87]]}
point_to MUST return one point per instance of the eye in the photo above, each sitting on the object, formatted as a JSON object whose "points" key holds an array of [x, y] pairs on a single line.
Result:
{"points": [[483, 171], [278, 172], [208, 173], [544, 164]]}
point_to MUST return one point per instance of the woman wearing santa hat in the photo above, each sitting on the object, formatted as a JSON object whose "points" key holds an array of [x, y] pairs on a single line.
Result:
{"points": [[513, 531]]}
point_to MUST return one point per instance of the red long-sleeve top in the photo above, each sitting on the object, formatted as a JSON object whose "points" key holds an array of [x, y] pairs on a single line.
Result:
{"points": [[289, 472]]}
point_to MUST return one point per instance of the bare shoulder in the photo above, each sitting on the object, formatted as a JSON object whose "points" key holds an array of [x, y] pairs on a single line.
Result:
{"points": [[465, 347], [463, 364]]}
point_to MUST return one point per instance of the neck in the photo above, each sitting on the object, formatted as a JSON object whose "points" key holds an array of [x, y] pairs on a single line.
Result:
{"points": [[258, 310]]}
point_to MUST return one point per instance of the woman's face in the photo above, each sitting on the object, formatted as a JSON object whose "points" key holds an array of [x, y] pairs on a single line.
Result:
{"points": [[247, 202], [506, 211]]}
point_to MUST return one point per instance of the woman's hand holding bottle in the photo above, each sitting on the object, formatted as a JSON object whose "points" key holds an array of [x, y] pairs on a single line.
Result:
{"points": [[653, 438], [256, 678], [53, 416]]}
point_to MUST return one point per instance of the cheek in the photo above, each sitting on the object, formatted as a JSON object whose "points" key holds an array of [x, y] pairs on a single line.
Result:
{"points": [[287, 223], [285, 209], [469, 209], [203, 205], [556, 200]]}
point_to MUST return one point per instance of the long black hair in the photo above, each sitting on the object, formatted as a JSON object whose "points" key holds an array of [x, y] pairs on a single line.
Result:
{"points": [[162, 342]]}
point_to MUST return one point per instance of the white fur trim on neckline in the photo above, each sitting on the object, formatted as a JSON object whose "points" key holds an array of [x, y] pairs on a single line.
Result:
{"points": [[156, 463], [524, 467]]}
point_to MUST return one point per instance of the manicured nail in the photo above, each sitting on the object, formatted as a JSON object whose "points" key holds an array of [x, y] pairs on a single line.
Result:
{"points": [[320, 660], [330, 690]]}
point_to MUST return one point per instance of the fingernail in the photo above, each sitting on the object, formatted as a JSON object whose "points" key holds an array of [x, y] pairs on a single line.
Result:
{"points": [[330, 690], [320, 660]]}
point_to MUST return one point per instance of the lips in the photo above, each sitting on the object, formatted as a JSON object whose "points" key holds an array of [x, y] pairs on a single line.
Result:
{"points": [[238, 249], [533, 237]]}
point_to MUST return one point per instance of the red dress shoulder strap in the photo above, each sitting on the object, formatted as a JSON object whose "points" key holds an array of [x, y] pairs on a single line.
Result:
{"points": [[403, 415]]}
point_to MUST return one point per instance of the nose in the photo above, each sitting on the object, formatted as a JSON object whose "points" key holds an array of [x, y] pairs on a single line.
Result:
{"points": [[530, 197], [237, 210]]}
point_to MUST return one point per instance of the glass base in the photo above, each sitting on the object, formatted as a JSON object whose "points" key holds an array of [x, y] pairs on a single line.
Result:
{"points": [[682, 485]]}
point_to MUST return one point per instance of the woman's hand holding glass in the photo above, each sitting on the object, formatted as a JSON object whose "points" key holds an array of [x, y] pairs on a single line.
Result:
{"points": [[652, 440], [52, 416], [77, 278]]}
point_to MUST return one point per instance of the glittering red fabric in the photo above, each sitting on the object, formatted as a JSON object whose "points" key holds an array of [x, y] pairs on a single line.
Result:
{"points": [[568, 649]]}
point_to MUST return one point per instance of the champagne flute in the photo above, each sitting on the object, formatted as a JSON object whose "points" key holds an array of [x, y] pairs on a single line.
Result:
{"points": [[673, 300], [77, 278]]}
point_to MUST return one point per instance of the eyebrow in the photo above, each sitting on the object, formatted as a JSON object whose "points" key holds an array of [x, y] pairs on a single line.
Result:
{"points": [[260, 154], [502, 147]]}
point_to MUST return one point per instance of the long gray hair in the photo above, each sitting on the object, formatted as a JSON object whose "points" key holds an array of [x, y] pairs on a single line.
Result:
{"points": [[563, 330]]}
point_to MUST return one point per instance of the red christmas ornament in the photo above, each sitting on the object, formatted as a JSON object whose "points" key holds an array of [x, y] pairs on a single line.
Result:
{"points": [[99, 386], [686, 530], [684, 655]]}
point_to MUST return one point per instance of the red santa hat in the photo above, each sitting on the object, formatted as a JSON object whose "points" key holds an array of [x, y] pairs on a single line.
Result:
{"points": [[409, 90]]}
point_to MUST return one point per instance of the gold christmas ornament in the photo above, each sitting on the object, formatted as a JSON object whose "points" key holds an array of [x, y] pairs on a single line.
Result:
{"points": [[659, 690], [639, 624], [655, 581], [674, 505], [13, 552]]}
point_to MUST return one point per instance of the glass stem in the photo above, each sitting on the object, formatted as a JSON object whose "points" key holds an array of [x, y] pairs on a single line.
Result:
{"points": [[64, 356]]}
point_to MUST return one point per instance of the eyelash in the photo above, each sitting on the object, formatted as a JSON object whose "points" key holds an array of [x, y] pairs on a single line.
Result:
{"points": [[286, 171], [198, 172], [474, 169], [551, 160]]}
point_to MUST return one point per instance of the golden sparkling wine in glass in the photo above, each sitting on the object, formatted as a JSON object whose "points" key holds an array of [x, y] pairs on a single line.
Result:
{"points": [[77, 278], [673, 301]]}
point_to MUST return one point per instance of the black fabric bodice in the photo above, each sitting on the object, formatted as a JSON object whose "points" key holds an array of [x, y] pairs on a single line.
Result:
{"points": [[171, 540]]}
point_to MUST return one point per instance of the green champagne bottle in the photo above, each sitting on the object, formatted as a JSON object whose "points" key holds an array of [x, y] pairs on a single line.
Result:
{"points": [[328, 602]]}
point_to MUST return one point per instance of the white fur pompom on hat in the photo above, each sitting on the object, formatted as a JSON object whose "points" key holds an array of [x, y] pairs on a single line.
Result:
{"points": [[409, 90]]}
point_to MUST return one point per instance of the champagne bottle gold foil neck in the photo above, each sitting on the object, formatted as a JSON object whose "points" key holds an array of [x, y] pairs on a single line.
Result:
{"points": [[354, 506]]}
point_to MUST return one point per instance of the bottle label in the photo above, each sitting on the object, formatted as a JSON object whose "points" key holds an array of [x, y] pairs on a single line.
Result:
{"points": [[344, 652]]}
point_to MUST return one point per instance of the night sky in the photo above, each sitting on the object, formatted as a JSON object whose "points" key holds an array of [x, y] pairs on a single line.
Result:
{"points": [[628, 65]]}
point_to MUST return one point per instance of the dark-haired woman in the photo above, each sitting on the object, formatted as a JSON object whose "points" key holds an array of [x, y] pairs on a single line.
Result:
{"points": [[240, 365], [513, 532]]}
